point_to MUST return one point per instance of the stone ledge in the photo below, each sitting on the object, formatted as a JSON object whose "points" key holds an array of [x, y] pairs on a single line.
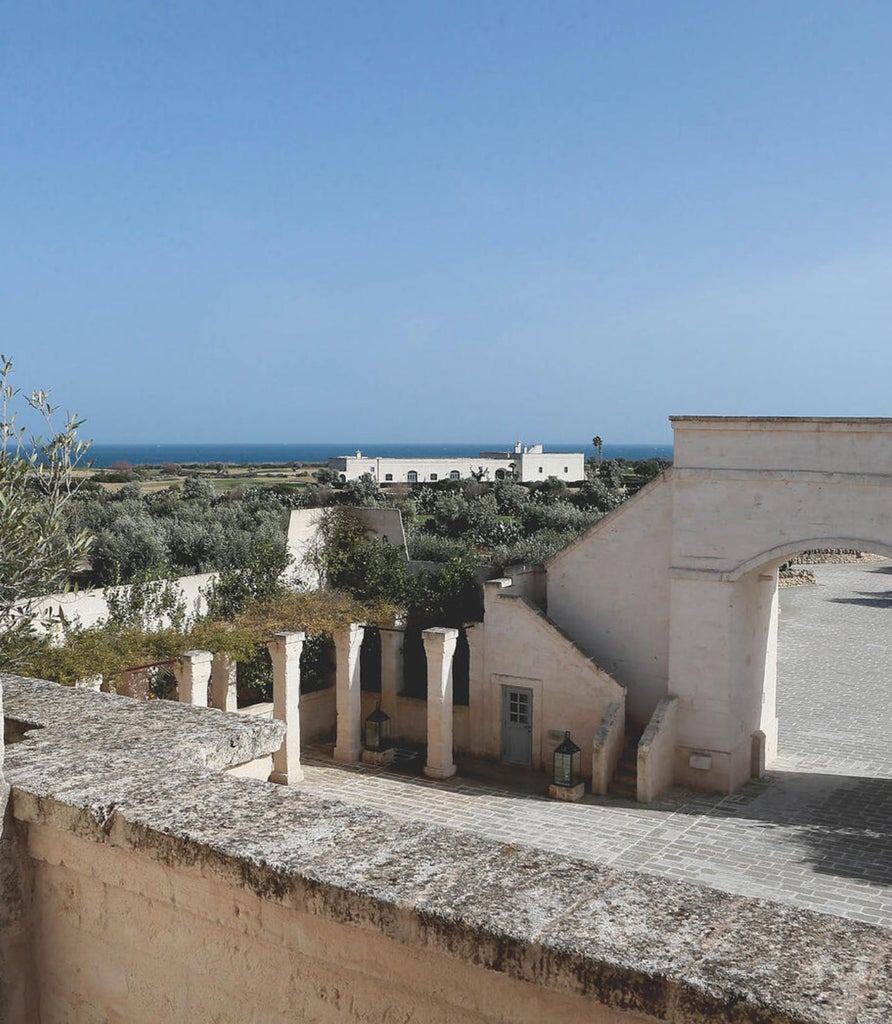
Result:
{"points": [[62, 721], [673, 951], [784, 422]]}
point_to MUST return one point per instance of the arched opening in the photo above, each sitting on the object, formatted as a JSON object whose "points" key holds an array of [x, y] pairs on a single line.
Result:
{"points": [[412, 476], [500, 474], [809, 650]]}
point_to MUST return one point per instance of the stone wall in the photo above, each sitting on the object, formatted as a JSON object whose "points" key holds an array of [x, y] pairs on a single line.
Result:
{"points": [[656, 752], [90, 607], [609, 590], [384, 524], [159, 890]]}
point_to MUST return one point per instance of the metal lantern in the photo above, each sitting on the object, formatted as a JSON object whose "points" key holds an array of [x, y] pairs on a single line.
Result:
{"points": [[377, 729], [567, 763]]}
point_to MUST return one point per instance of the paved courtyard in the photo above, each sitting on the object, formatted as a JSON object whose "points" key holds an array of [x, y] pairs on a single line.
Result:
{"points": [[816, 832]]}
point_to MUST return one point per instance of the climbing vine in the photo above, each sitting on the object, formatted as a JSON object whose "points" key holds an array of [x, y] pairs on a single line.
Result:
{"points": [[121, 644]]}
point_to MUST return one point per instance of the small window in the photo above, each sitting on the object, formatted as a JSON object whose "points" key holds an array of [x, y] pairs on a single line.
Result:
{"points": [[566, 469], [500, 474], [454, 475], [343, 478], [388, 476], [540, 469], [433, 476], [412, 476]]}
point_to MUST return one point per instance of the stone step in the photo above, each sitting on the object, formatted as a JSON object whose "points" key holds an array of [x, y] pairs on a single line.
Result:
{"points": [[628, 790], [625, 778]]}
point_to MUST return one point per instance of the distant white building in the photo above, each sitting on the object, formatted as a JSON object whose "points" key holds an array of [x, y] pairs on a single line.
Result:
{"points": [[525, 463]]}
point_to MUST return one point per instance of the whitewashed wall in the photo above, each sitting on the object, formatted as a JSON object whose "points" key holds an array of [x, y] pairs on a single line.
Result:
{"points": [[90, 607], [524, 649], [609, 590]]}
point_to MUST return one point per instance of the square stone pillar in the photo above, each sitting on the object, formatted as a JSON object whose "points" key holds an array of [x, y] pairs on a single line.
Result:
{"points": [[392, 672], [347, 693], [284, 651], [193, 673], [223, 683], [439, 647], [477, 687]]}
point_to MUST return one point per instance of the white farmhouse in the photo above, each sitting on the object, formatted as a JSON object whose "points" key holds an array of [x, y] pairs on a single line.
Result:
{"points": [[526, 463]]}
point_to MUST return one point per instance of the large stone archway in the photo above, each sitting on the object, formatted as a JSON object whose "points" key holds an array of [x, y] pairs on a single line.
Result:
{"points": [[676, 592]]}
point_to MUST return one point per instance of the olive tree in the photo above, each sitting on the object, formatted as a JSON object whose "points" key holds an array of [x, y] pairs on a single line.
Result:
{"points": [[38, 555]]}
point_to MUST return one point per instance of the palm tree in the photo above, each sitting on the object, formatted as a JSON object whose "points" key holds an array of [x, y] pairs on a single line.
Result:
{"points": [[599, 444]]}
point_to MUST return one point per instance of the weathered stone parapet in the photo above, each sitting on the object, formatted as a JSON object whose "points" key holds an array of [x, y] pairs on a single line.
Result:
{"points": [[443, 925], [348, 642], [285, 651], [439, 648], [224, 694], [16, 989], [193, 674]]}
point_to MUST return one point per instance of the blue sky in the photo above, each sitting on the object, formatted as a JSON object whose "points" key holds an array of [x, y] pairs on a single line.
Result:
{"points": [[445, 221]]}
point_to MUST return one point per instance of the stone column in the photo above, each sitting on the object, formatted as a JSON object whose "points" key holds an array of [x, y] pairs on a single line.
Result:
{"points": [[223, 683], [477, 687], [392, 672], [439, 647], [193, 673], [347, 691], [284, 651]]}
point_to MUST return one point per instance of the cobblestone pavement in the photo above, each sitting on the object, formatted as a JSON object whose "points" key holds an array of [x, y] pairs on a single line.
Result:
{"points": [[816, 832]]}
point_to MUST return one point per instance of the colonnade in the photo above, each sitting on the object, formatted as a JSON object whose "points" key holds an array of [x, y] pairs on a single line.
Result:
{"points": [[199, 673]]}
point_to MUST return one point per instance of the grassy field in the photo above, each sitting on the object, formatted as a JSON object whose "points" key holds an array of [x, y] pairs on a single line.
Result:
{"points": [[151, 478]]}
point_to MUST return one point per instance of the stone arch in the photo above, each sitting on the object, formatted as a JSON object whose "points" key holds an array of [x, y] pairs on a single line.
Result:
{"points": [[675, 592], [783, 552], [746, 495]]}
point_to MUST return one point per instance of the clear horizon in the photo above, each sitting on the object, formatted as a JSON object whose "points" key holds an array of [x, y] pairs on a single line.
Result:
{"points": [[428, 219]]}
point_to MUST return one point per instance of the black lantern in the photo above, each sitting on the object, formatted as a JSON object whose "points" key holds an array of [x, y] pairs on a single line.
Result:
{"points": [[377, 730], [567, 763]]}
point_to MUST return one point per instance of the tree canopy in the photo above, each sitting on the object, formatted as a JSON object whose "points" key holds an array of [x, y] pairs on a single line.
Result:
{"points": [[39, 553]]}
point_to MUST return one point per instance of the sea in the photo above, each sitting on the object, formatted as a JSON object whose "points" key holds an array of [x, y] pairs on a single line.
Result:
{"points": [[105, 455]]}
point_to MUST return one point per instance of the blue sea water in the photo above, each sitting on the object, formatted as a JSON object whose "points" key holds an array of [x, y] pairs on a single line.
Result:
{"points": [[104, 455]]}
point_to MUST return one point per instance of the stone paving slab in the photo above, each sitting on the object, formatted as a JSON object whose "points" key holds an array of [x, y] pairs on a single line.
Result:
{"points": [[815, 833]]}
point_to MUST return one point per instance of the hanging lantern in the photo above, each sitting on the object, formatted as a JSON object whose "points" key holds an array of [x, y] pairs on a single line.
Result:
{"points": [[567, 763], [377, 730]]}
